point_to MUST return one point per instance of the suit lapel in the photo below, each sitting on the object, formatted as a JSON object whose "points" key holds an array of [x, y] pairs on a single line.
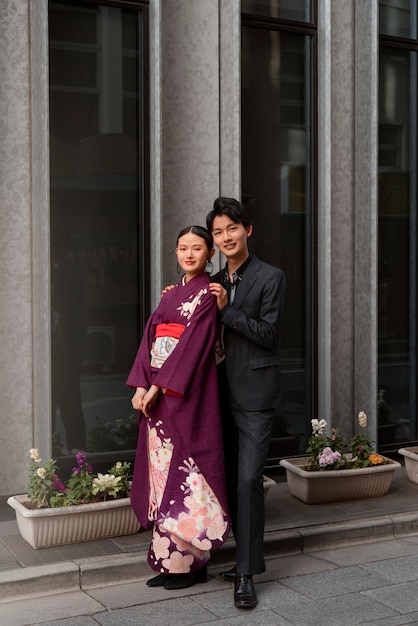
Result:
{"points": [[247, 281]]}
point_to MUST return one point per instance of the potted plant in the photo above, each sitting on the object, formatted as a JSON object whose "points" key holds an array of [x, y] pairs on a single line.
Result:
{"points": [[330, 473], [411, 462], [86, 507]]}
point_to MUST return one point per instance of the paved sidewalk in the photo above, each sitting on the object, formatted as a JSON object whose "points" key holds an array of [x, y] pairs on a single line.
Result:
{"points": [[340, 563]]}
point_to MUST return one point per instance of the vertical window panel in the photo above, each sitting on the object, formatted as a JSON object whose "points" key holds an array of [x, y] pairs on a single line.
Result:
{"points": [[97, 212], [276, 189], [397, 246]]}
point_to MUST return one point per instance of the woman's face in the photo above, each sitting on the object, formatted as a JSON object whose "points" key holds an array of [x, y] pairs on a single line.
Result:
{"points": [[192, 254]]}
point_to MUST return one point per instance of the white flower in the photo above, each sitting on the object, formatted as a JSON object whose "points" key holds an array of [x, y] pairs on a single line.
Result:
{"points": [[169, 525], [194, 480], [119, 465], [322, 426], [107, 481], [362, 419], [34, 455], [41, 472], [318, 426], [201, 497]]}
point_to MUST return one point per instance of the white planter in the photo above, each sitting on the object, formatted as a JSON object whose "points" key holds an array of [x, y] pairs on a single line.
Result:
{"points": [[337, 485], [411, 462], [268, 483], [56, 526]]}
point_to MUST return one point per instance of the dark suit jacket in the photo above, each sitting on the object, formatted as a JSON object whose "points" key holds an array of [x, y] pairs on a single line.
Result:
{"points": [[252, 336]]}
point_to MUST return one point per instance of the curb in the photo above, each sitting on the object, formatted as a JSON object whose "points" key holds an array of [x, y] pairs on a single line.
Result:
{"points": [[85, 574]]}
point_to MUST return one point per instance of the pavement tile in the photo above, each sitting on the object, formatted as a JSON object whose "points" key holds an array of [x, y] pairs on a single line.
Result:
{"points": [[39, 610], [350, 610], [295, 565], [137, 593], [81, 620], [179, 612], [402, 597], [336, 582], [397, 570], [5, 555], [255, 617], [367, 552], [396, 620]]}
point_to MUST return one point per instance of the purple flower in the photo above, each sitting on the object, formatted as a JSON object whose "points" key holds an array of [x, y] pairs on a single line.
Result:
{"points": [[81, 458], [58, 484], [328, 457]]}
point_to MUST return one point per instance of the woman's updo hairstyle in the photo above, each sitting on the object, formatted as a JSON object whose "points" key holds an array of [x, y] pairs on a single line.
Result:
{"points": [[201, 232]]}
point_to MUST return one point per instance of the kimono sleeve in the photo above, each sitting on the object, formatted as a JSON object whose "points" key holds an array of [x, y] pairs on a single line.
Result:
{"points": [[195, 351], [140, 374]]}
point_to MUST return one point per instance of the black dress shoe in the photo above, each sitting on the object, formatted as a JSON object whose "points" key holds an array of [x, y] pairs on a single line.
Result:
{"points": [[182, 581], [229, 575], [244, 592], [160, 580]]}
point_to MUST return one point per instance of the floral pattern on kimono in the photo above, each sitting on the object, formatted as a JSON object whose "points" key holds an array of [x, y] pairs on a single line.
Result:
{"points": [[195, 523]]}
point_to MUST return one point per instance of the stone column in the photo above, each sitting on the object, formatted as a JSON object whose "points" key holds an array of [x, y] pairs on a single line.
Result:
{"points": [[347, 247], [189, 118], [24, 240]]}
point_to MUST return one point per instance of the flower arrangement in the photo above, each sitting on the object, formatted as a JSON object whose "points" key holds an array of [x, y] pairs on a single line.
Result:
{"points": [[328, 452], [45, 489]]}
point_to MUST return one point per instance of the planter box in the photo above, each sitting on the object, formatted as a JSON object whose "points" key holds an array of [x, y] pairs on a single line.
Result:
{"points": [[56, 526], [337, 485], [267, 484], [411, 462]]}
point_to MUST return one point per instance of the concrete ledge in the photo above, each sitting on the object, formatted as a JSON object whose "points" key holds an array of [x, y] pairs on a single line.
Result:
{"points": [[39, 581], [91, 573], [405, 524], [334, 535], [113, 570]]}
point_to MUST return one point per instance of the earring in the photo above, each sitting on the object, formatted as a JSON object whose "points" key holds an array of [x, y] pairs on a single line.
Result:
{"points": [[178, 269], [209, 262]]}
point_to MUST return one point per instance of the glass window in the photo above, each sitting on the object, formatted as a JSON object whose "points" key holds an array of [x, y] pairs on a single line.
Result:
{"points": [[276, 189], [295, 10], [97, 215], [398, 18], [397, 245]]}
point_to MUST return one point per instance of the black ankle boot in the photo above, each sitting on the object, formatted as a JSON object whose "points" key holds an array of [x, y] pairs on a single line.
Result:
{"points": [[160, 580], [182, 581]]}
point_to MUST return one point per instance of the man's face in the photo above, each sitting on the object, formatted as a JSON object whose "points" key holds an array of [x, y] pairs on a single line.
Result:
{"points": [[230, 237]]}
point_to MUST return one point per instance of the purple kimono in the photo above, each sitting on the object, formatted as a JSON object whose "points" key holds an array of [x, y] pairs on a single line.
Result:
{"points": [[178, 485]]}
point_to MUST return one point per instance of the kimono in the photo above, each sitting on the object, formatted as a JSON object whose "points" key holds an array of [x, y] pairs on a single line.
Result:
{"points": [[178, 484]]}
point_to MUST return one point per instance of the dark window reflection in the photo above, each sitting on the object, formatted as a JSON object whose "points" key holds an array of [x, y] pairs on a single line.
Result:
{"points": [[397, 246], [96, 209], [295, 10], [275, 188]]}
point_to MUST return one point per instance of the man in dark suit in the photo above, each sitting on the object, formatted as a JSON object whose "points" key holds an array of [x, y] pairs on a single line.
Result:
{"points": [[250, 296]]}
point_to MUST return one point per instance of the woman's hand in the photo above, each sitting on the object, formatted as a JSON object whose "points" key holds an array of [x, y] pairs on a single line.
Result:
{"points": [[138, 398], [149, 398]]}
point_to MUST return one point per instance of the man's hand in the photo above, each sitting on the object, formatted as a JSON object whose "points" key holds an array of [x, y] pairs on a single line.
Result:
{"points": [[168, 288], [220, 293]]}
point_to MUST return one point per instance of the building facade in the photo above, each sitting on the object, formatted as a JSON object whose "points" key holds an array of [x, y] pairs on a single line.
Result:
{"points": [[122, 121]]}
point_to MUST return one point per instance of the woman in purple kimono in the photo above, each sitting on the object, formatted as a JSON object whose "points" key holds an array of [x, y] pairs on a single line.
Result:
{"points": [[178, 485]]}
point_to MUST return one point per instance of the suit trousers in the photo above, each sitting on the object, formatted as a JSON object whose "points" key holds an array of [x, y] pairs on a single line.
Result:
{"points": [[247, 437]]}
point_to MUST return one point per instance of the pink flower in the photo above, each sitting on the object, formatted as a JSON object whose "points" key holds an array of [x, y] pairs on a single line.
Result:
{"points": [[328, 457]]}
